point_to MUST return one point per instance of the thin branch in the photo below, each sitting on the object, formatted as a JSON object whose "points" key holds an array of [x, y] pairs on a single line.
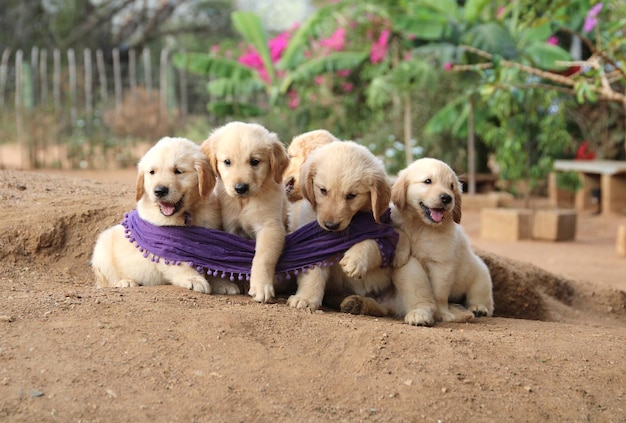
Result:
{"points": [[605, 92]]}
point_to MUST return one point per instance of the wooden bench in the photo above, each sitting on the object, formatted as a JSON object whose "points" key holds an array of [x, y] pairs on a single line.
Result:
{"points": [[603, 185]]}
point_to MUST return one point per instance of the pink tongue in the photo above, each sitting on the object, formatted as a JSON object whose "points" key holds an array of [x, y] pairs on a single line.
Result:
{"points": [[436, 215], [167, 208]]}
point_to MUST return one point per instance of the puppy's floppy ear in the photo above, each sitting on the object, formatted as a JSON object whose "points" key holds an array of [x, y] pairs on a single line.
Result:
{"points": [[398, 191], [279, 159], [206, 178], [380, 193], [307, 173], [208, 148], [139, 187], [458, 194]]}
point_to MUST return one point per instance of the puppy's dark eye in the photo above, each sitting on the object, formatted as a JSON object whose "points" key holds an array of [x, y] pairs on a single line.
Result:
{"points": [[177, 171], [428, 181], [227, 162], [323, 191], [152, 172], [254, 162], [451, 186], [350, 197]]}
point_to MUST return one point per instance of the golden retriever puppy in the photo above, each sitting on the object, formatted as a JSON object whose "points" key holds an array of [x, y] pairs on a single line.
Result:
{"points": [[300, 211], [249, 162], [299, 149], [338, 180], [174, 188], [427, 207]]}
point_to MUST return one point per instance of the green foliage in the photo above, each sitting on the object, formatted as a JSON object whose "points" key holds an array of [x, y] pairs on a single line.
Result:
{"points": [[568, 181], [527, 130]]}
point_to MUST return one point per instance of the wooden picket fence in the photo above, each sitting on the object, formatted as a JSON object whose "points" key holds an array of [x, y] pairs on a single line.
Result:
{"points": [[70, 93]]}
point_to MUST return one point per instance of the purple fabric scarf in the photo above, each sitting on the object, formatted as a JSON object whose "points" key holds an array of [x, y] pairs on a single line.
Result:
{"points": [[221, 254]]}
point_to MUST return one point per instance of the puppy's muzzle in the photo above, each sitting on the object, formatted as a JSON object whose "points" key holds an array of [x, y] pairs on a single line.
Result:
{"points": [[161, 191], [331, 226], [242, 189]]}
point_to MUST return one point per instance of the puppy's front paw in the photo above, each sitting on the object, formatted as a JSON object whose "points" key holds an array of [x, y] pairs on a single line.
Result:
{"points": [[126, 283], [296, 301], [223, 287], [480, 310], [403, 251], [198, 284], [262, 293], [419, 317], [354, 265]]}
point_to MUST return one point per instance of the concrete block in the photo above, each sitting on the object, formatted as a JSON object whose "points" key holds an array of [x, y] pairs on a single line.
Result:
{"points": [[620, 245], [486, 201], [555, 225], [506, 224]]}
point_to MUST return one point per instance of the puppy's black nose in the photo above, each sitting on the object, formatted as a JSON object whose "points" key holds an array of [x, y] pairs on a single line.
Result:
{"points": [[331, 226], [161, 191], [445, 198], [241, 188]]}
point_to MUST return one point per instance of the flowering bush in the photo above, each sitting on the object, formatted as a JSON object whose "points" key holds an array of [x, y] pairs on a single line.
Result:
{"points": [[333, 93]]}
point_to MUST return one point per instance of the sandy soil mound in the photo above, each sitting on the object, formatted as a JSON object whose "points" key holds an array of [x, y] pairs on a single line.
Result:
{"points": [[554, 351]]}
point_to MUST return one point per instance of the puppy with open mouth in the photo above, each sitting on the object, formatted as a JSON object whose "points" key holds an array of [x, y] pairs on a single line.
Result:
{"points": [[427, 208], [174, 188]]}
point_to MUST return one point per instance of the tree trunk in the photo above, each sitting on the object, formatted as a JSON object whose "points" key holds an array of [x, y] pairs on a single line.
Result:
{"points": [[471, 149], [408, 135]]}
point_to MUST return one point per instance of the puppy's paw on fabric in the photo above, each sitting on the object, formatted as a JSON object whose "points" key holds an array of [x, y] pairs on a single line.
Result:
{"points": [[354, 265]]}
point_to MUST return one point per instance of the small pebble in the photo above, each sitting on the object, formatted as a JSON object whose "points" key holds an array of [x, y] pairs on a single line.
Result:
{"points": [[34, 393]]}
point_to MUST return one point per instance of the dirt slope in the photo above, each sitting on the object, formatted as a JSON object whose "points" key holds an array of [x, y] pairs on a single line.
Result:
{"points": [[68, 352]]}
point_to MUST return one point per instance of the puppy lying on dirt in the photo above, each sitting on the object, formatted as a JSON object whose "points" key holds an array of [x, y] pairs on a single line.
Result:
{"points": [[174, 188]]}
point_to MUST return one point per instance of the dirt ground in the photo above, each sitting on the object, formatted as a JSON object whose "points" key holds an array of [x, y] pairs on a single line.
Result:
{"points": [[555, 351]]}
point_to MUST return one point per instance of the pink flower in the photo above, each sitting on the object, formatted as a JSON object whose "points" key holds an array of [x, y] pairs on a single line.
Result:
{"points": [[215, 48], [343, 73], [591, 20], [347, 87], [277, 45], [319, 80], [553, 40], [379, 47], [500, 12], [293, 99], [251, 59], [447, 66], [336, 41]]}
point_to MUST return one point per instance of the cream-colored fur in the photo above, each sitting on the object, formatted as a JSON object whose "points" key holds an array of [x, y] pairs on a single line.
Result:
{"points": [[174, 188], [300, 210], [338, 180], [427, 208], [299, 149], [249, 162]]}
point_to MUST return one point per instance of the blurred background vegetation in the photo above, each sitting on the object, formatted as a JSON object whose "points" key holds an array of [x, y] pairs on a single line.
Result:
{"points": [[492, 87]]}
